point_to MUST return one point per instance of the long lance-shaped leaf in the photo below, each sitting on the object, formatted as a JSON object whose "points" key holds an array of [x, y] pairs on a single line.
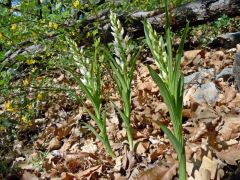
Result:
{"points": [[93, 130], [179, 147], [133, 64], [181, 45], [83, 88], [179, 106], [180, 92], [95, 118], [178, 58], [95, 101], [116, 70], [169, 46], [176, 144], [104, 120], [168, 98], [124, 117], [126, 97], [120, 77]]}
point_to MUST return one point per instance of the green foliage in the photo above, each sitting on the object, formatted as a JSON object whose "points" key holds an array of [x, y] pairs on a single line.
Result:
{"points": [[205, 33], [38, 161], [222, 22], [170, 82]]}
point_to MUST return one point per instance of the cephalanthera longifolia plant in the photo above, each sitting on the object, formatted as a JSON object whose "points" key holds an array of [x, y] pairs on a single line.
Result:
{"points": [[123, 64], [171, 82], [91, 85]]}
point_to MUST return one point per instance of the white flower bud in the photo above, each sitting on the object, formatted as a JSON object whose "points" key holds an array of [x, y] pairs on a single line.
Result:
{"points": [[83, 70], [84, 81]]}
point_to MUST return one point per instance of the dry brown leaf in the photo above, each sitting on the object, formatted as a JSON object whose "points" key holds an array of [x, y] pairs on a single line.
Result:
{"points": [[54, 144], [186, 113], [87, 172], [142, 147], [235, 104], [230, 94], [66, 176], [187, 99], [189, 168], [231, 155], [148, 86], [210, 166], [196, 132], [118, 163], [89, 147], [143, 71], [156, 153], [73, 165], [29, 176], [68, 143], [205, 112], [158, 173], [189, 56], [231, 127], [202, 174], [65, 128]]}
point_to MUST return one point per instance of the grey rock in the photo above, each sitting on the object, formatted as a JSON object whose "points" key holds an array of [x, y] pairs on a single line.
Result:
{"points": [[225, 73], [199, 77], [206, 93], [236, 70], [192, 77], [227, 41]]}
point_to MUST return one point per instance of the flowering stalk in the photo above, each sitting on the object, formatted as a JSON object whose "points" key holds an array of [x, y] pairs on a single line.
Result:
{"points": [[123, 65], [170, 82], [91, 85]]}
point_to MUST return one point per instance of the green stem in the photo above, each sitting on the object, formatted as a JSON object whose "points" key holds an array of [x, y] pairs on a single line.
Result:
{"points": [[182, 165], [130, 138]]}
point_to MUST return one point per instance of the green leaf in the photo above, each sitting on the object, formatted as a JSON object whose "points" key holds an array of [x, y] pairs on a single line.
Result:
{"points": [[181, 45], [116, 71], [124, 117], [96, 119], [169, 43], [93, 130], [177, 146], [168, 99], [178, 58], [133, 64]]}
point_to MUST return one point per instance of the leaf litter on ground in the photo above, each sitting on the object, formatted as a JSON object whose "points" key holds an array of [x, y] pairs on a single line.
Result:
{"points": [[211, 127]]}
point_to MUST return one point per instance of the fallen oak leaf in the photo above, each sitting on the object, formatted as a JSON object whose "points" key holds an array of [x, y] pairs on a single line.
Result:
{"points": [[230, 155], [54, 144], [87, 172], [231, 127], [158, 173], [209, 165], [29, 176]]}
